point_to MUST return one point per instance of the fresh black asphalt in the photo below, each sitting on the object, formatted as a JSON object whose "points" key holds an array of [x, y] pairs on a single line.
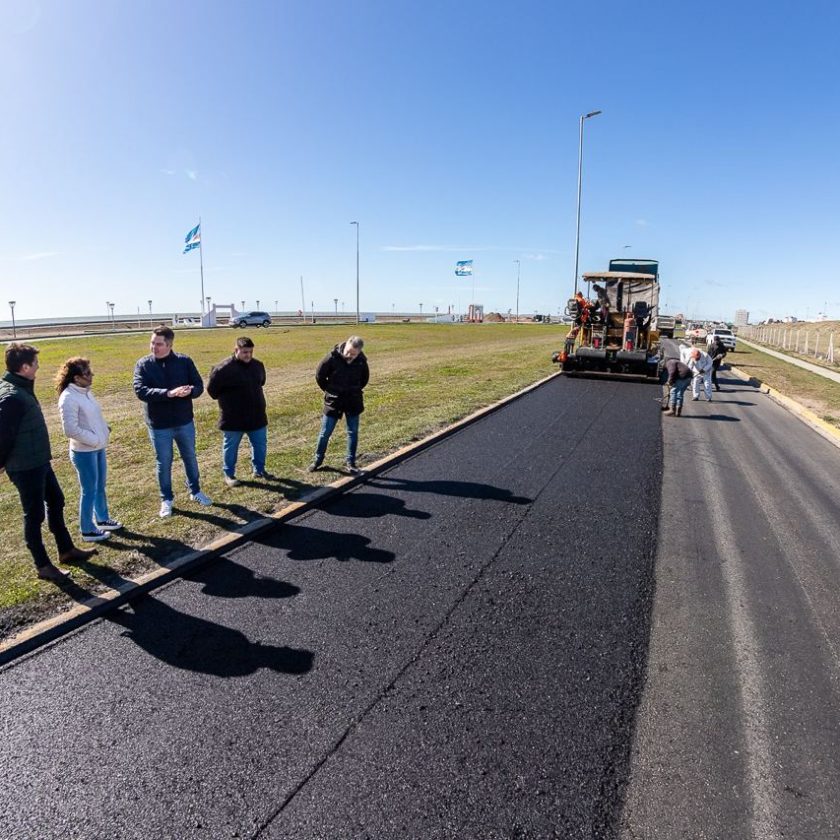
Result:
{"points": [[455, 649]]}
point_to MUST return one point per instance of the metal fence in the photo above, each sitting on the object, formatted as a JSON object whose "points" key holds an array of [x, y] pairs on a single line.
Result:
{"points": [[814, 343]]}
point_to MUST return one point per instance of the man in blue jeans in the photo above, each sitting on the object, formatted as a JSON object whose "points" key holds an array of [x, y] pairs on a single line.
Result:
{"points": [[237, 383], [167, 382], [342, 375]]}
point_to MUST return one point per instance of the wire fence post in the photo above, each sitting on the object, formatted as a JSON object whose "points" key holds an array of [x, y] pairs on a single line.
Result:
{"points": [[817, 346], [805, 348], [830, 354]]}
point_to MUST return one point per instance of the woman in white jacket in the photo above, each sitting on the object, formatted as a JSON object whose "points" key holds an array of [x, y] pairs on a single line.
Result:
{"points": [[84, 425]]}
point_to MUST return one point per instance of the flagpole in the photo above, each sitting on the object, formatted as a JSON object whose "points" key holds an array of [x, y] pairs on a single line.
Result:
{"points": [[201, 263]]}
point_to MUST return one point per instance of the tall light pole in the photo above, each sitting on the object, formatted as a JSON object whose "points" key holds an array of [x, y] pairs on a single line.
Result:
{"points": [[517, 289], [14, 328], [113, 322], [335, 301], [150, 315], [243, 305], [357, 270], [275, 307], [580, 178]]}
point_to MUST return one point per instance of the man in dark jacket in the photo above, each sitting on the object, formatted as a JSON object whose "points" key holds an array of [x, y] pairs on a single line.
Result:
{"points": [[25, 455], [679, 377], [237, 383], [342, 375], [717, 351], [168, 382]]}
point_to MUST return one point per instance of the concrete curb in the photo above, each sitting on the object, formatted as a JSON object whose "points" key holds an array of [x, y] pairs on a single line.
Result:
{"points": [[827, 430], [57, 627]]}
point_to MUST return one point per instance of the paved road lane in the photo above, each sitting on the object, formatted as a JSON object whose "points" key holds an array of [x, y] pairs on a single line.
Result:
{"points": [[738, 734], [455, 649]]}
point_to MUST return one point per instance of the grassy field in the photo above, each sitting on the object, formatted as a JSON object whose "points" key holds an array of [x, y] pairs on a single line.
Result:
{"points": [[820, 395], [423, 377]]}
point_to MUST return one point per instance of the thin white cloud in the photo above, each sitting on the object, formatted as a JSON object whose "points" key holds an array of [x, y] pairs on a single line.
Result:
{"points": [[416, 248], [42, 255], [191, 174], [642, 222], [169, 171], [535, 257]]}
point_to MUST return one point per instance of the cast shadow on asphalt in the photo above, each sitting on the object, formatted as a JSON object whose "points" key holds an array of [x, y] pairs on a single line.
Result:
{"points": [[195, 644], [300, 542], [224, 578], [463, 489], [369, 505]]}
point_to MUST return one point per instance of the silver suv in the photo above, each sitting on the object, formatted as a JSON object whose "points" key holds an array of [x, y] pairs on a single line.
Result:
{"points": [[251, 319]]}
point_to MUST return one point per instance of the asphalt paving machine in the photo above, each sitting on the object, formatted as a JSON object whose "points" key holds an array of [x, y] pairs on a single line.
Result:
{"points": [[613, 328]]}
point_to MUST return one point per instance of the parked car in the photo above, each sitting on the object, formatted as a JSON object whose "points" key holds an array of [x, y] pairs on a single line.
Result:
{"points": [[251, 319], [725, 335]]}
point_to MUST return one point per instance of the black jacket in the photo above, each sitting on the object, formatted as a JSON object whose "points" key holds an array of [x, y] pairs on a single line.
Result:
{"points": [[677, 370], [342, 382], [154, 377], [238, 386], [24, 439]]}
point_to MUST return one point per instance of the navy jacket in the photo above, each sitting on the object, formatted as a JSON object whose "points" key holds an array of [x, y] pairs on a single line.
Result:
{"points": [[154, 377]]}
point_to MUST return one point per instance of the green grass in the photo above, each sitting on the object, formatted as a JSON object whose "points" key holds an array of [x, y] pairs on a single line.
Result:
{"points": [[820, 395], [423, 377]]}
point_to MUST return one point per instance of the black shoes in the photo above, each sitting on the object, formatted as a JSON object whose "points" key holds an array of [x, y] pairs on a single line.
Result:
{"points": [[266, 475], [313, 467]]}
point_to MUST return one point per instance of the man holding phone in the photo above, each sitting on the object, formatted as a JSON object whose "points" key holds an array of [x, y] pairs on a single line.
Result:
{"points": [[167, 382]]}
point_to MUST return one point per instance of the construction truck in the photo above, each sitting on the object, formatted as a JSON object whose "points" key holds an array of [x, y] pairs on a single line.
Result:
{"points": [[614, 325]]}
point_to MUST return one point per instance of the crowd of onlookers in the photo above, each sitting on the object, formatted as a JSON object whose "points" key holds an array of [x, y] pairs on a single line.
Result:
{"points": [[167, 383]]}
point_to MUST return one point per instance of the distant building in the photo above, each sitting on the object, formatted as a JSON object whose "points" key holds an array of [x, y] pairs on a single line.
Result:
{"points": [[742, 317]]}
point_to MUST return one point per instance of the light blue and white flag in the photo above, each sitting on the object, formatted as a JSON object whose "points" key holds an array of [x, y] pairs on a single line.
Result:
{"points": [[463, 268], [193, 239]]}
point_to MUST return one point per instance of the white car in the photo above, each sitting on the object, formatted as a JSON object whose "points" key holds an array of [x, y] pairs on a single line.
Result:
{"points": [[725, 335]]}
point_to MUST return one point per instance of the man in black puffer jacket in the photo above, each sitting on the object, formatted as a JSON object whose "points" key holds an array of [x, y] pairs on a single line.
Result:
{"points": [[26, 457], [237, 383], [342, 375]]}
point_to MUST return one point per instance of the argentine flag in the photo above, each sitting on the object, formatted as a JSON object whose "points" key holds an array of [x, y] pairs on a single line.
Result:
{"points": [[463, 268], [193, 239]]}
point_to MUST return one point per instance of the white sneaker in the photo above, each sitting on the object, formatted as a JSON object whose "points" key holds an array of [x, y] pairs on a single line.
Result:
{"points": [[201, 499], [165, 508]]}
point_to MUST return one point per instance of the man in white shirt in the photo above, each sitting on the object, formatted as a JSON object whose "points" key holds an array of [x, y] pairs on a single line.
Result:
{"points": [[700, 365]]}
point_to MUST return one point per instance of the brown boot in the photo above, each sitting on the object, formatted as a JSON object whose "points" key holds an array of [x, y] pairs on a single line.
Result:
{"points": [[679, 411], [670, 412], [76, 555]]}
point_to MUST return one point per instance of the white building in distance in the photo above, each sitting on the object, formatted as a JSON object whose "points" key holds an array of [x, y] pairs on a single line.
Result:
{"points": [[742, 317]]}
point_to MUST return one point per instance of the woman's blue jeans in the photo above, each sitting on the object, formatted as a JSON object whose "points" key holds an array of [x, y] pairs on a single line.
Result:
{"points": [[184, 438], [258, 438], [92, 470], [328, 425]]}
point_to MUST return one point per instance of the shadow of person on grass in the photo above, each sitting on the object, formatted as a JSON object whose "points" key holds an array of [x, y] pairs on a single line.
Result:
{"points": [[302, 543], [195, 644], [465, 489]]}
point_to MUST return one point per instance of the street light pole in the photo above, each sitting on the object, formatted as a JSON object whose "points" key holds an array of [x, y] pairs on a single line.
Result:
{"points": [[517, 289], [335, 301], [150, 315], [14, 328], [357, 270], [580, 180], [113, 322]]}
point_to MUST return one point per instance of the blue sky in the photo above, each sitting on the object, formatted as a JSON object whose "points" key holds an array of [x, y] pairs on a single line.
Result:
{"points": [[448, 130]]}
